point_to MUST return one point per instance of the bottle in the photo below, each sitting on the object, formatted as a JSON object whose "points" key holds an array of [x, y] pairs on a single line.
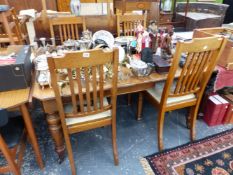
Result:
{"points": [[75, 7], [167, 5]]}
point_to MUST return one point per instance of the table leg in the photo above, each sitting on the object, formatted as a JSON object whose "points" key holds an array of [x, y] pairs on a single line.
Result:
{"points": [[140, 101], [55, 129], [129, 99], [31, 134]]}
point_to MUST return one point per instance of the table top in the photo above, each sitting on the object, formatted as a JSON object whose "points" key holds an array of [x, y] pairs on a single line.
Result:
{"points": [[14, 98], [132, 81]]}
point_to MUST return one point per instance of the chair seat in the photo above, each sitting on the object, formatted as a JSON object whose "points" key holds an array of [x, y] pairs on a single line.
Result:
{"points": [[12, 131], [71, 121], [158, 90]]}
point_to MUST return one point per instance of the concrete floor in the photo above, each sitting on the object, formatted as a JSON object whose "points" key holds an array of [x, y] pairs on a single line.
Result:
{"points": [[93, 150]]}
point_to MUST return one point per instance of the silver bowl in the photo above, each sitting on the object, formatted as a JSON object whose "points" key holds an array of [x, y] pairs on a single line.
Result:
{"points": [[142, 72]]}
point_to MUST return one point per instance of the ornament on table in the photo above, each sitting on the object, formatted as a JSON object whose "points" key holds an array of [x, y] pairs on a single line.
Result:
{"points": [[139, 29], [146, 40], [53, 42], [139, 42], [75, 7], [143, 41], [42, 71], [166, 45], [160, 37], [87, 35], [87, 38], [153, 30]]}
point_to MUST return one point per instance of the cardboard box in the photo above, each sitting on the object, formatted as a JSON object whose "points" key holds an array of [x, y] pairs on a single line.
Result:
{"points": [[16, 75], [226, 59], [212, 111]]}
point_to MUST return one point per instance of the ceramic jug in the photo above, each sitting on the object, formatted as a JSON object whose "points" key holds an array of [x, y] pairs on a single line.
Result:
{"points": [[75, 7]]}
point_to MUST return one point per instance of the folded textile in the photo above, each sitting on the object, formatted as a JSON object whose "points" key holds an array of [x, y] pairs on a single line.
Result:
{"points": [[224, 78]]}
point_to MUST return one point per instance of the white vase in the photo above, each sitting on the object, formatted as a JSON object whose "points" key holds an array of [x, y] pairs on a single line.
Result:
{"points": [[75, 7], [167, 6]]}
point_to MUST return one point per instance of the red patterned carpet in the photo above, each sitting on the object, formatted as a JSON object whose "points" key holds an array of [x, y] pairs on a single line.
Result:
{"points": [[209, 156]]}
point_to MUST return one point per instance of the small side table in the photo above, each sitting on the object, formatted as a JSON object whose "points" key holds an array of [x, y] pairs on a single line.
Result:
{"points": [[18, 99]]}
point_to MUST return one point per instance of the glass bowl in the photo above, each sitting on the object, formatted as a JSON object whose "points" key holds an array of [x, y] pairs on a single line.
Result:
{"points": [[142, 72]]}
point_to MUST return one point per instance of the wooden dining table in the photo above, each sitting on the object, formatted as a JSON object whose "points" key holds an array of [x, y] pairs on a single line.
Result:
{"points": [[46, 96]]}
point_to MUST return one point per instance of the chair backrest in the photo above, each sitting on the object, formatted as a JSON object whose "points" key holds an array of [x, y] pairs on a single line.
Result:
{"points": [[127, 23], [18, 29], [15, 26], [67, 27], [201, 57], [86, 88]]}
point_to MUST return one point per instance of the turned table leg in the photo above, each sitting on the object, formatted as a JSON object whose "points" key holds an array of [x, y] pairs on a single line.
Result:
{"points": [[140, 101], [55, 129]]}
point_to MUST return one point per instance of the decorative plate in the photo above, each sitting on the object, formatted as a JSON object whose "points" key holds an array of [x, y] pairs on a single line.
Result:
{"points": [[105, 36], [123, 40]]}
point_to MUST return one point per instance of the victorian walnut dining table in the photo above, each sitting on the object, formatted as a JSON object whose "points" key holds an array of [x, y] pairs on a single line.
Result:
{"points": [[46, 96]]}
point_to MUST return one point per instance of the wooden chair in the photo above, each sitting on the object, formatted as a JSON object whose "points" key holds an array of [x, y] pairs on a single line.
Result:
{"points": [[89, 108], [127, 23], [13, 30], [12, 140], [126, 26], [68, 27], [187, 90]]}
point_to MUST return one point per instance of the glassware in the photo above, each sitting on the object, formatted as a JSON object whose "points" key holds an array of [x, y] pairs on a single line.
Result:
{"points": [[75, 7], [53, 41], [43, 42]]}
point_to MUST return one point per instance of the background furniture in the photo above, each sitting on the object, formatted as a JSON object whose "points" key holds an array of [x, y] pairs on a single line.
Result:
{"points": [[91, 109], [201, 15], [226, 59], [66, 27], [18, 99], [13, 30], [145, 5], [229, 12], [12, 142], [187, 90], [127, 24]]}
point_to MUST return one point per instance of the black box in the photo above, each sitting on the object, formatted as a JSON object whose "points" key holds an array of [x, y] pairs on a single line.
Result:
{"points": [[161, 65], [16, 75]]}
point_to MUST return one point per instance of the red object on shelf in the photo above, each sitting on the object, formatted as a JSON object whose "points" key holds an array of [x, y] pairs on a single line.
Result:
{"points": [[224, 78], [228, 118], [223, 110], [7, 61], [212, 110]]}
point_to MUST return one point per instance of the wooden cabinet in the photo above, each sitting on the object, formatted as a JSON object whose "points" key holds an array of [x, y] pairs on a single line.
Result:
{"points": [[64, 5], [165, 17], [129, 5]]}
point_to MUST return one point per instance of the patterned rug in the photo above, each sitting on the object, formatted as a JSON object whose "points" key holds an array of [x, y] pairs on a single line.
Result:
{"points": [[209, 156]]}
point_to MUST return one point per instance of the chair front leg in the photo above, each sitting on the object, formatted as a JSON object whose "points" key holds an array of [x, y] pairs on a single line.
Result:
{"points": [[114, 145], [160, 128], [140, 104], [193, 118], [69, 151], [10, 159]]}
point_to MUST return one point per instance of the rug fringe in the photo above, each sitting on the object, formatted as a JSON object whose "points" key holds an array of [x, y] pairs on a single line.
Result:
{"points": [[146, 166]]}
